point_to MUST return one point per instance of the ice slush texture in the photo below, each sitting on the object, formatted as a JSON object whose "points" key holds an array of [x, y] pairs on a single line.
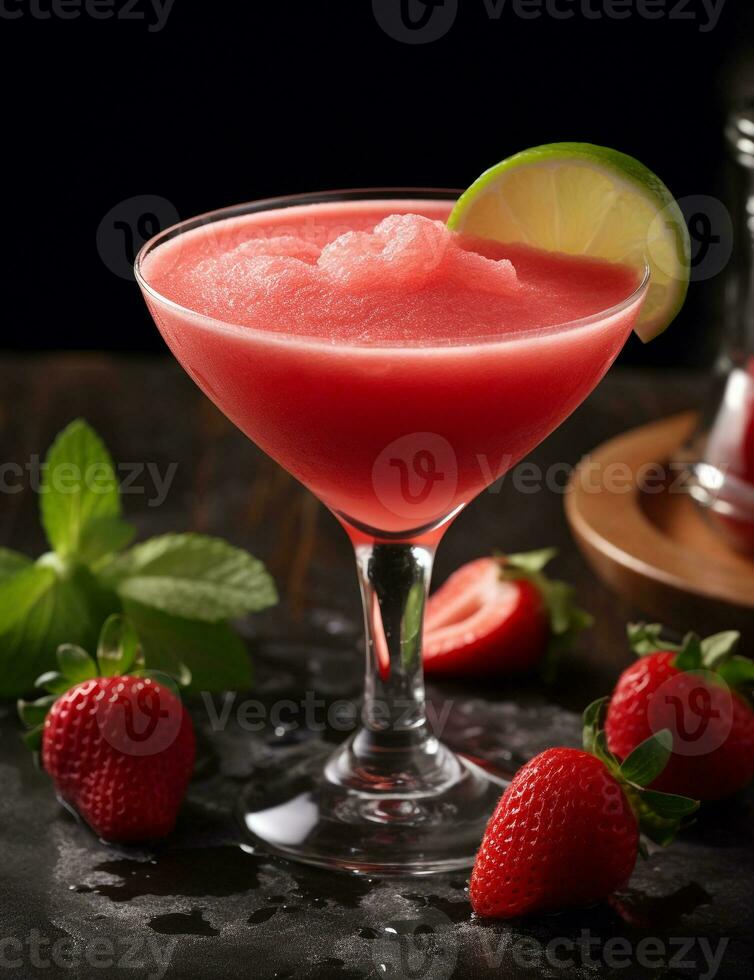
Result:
{"points": [[406, 280]]}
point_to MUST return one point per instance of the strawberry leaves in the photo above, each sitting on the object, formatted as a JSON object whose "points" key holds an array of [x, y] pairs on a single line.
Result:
{"points": [[718, 648], [191, 585], [530, 562], [566, 620], [738, 672], [75, 663], [716, 653], [118, 651], [33, 714], [74, 666], [645, 638], [659, 815], [648, 759], [118, 647]]}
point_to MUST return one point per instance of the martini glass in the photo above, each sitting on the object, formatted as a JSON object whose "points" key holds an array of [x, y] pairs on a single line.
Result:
{"points": [[395, 438]]}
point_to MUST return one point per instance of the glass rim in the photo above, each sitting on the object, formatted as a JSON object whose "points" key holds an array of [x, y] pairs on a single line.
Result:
{"points": [[351, 194]]}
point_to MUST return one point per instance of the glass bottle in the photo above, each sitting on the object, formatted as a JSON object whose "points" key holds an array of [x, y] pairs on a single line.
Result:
{"points": [[723, 478]]}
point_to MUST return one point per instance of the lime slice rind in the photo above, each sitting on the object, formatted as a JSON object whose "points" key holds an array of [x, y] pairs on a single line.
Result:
{"points": [[584, 199]]}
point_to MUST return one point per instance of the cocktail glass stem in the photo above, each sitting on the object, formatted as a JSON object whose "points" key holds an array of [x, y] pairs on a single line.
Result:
{"points": [[392, 799], [394, 750]]}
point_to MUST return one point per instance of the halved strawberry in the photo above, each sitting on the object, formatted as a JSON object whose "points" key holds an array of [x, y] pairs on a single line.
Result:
{"points": [[499, 615]]}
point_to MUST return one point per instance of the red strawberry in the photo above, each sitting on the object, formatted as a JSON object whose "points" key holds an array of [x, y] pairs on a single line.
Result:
{"points": [[120, 748], [688, 690], [498, 615], [566, 831], [563, 834]]}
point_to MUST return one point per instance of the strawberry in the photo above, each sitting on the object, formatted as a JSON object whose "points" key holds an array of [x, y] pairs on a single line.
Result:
{"points": [[119, 747], [499, 615], [566, 831], [690, 690]]}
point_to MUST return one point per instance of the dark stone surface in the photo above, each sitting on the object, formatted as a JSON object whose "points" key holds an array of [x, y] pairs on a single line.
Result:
{"points": [[200, 906]]}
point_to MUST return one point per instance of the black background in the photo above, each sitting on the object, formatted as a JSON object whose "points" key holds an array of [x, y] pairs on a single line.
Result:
{"points": [[232, 101]]}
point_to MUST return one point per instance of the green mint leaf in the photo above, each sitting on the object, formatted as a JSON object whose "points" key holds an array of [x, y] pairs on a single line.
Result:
{"points": [[79, 487], [530, 562], [192, 576], [102, 536], [648, 759], [117, 648], [19, 593], [12, 562], [718, 648], [68, 610], [33, 713], [214, 654], [689, 657], [75, 663]]}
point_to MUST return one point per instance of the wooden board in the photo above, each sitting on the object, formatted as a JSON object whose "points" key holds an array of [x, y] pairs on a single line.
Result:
{"points": [[657, 548]]}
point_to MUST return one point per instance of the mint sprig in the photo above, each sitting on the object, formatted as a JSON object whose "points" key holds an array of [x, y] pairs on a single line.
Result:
{"points": [[11, 562], [178, 592], [191, 575], [79, 494], [68, 605]]}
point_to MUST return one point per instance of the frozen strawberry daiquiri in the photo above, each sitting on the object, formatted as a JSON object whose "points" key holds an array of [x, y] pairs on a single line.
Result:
{"points": [[397, 352], [394, 367]]}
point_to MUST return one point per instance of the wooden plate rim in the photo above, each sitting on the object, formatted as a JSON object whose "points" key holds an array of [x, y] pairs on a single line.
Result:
{"points": [[643, 549]]}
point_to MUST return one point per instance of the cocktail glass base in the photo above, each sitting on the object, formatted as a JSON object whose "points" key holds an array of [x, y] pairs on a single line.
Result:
{"points": [[424, 824]]}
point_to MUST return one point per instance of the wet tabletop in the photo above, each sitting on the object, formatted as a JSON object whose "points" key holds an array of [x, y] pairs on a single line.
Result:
{"points": [[200, 906]]}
